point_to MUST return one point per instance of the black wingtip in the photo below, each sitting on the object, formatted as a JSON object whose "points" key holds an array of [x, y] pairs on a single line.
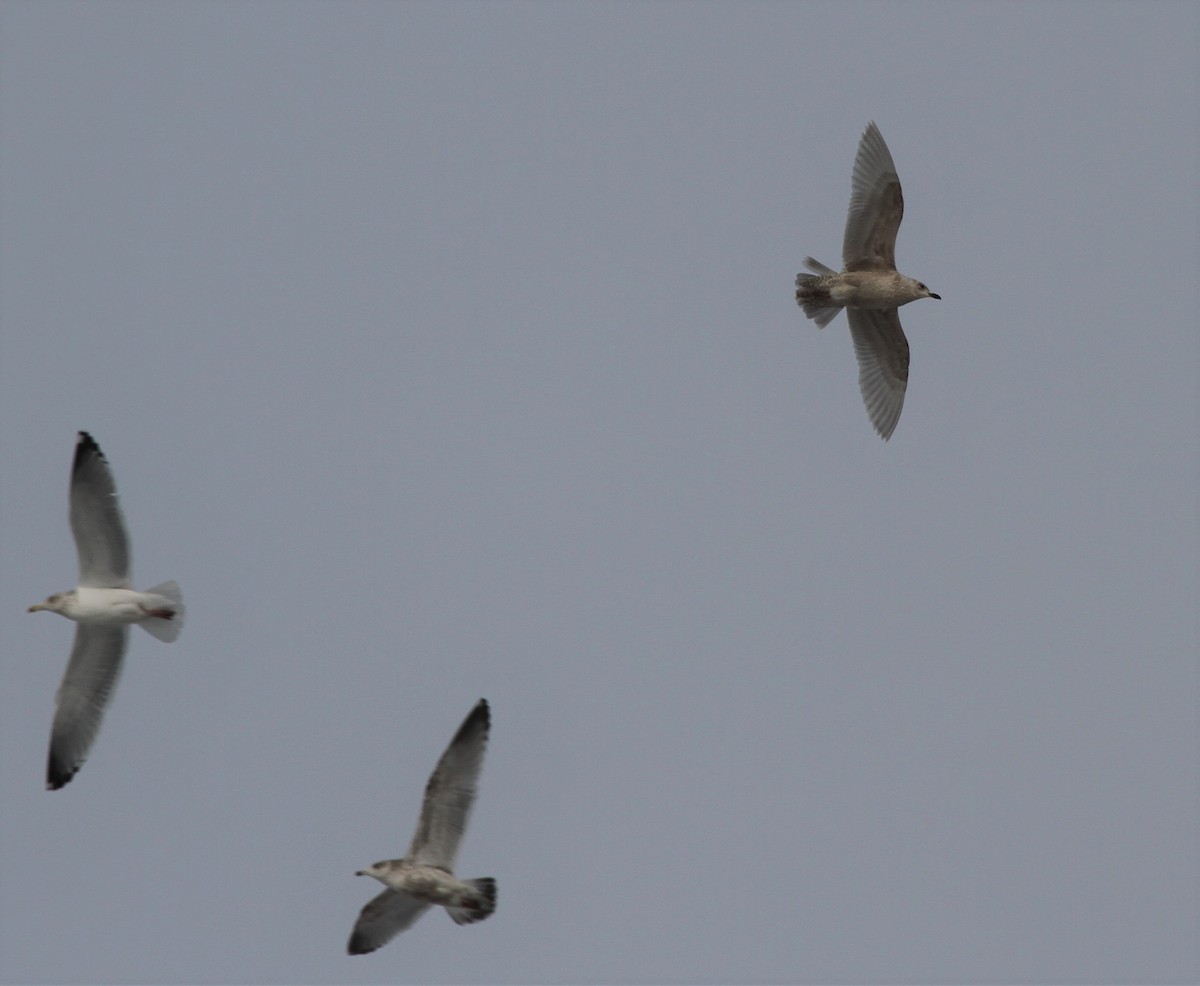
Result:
{"points": [[57, 777], [480, 716], [364, 944], [479, 719], [85, 445]]}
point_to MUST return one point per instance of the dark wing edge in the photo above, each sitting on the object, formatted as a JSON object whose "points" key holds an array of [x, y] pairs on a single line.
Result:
{"points": [[876, 207], [101, 539], [382, 919], [450, 792], [83, 696]]}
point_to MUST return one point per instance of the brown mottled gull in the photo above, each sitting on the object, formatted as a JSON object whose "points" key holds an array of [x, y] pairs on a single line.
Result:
{"points": [[103, 606], [426, 875], [869, 288]]}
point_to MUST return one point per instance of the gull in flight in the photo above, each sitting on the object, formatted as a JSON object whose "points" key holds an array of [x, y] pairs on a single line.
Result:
{"points": [[870, 288], [426, 875], [103, 605]]}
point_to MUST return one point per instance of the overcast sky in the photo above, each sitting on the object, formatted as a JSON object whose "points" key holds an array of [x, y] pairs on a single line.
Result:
{"points": [[447, 351]]}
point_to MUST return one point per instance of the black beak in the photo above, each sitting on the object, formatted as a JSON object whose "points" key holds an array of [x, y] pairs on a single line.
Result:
{"points": [[938, 296]]}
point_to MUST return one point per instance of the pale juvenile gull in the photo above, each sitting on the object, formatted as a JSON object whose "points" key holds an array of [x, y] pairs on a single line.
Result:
{"points": [[870, 288], [103, 605], [426, 875]]}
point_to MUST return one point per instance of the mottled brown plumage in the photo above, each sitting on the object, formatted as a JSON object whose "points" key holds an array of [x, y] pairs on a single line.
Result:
{"points": [[869, 287]]}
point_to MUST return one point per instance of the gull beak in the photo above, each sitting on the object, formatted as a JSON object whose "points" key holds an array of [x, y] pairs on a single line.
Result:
{"points": [[361, 873], [35, 607], [938, 296]]}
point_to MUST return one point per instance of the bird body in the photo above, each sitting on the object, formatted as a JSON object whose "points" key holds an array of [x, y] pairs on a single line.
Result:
{"points": [[862, 289], [115, 607], [435, 885], [430, 883]]}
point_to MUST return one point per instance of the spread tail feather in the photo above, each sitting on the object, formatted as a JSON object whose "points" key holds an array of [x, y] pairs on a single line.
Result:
{"points": [[813, 296], [479, 908], [817, 267], [166, 619]]}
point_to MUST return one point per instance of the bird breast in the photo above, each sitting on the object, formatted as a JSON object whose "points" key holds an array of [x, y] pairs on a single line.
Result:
{"points": [[114, 607], [431, 884], [874, 289]]}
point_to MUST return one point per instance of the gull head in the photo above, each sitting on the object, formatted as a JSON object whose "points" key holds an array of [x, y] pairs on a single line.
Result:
{"points": [[923, 291], [378, 870], [57, 603]]}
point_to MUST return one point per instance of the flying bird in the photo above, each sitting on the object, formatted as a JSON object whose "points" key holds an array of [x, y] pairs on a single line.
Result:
{"points": [[103, 606], [426, 875], [869, 288]]}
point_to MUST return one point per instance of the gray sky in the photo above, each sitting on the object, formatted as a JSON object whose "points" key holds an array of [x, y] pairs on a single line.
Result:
{"points": [[448, 351]]}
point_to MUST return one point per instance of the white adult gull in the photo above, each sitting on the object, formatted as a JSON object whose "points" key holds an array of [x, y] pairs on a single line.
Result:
{"points": [[103, 606], [426, 875], [869, 288]]}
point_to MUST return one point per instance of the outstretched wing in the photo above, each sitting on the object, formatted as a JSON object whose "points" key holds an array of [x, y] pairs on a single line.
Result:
{"points": [[876, 207], [86, 688], [96, 522], [882, 353], [451, 792], [382, 919]]}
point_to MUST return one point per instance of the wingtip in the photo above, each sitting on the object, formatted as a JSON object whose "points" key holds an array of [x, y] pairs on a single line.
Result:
{"points": [[85, 445], [479, 719], [884, 421], [57, 777], [356, 947]]}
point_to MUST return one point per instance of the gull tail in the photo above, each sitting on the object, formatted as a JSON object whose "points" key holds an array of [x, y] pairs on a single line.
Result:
{"points": [[478, 907], [812, 293], [166, 611]]}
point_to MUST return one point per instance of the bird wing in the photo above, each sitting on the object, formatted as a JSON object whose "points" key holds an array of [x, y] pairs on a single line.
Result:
{"points": [[876, 207], [86, 689], [96, 522], [882, 353], [382, 919], [450, 793]]}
